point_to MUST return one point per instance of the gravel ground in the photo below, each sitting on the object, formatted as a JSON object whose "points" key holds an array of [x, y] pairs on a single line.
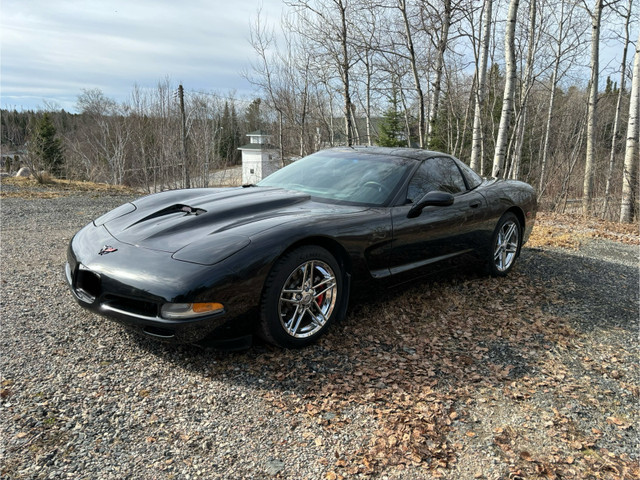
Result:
{"points": [[83, 398]]}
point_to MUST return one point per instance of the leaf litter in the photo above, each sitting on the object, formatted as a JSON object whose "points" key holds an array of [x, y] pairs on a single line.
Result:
{"points": [[444, 372]]}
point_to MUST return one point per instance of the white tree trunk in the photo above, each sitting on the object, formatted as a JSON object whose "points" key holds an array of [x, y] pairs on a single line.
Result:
{"points": [[476, 149], [509, 89], [516, 163], [587, 189], [547, 133], [616, 120], [631, 160], [437, 84], [344, 70], [402, 6]]}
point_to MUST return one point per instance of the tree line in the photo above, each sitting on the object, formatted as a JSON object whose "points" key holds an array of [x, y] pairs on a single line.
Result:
{"points": [[159, 138], [512, 87]]}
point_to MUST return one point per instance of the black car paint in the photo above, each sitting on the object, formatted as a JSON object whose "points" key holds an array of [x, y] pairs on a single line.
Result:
{"points": [[167, 254]]}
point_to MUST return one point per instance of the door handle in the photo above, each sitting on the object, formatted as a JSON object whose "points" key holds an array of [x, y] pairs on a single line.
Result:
{"points": [[474, 204]]}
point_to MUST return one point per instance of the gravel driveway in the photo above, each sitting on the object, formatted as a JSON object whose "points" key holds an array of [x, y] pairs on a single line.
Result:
{"points": [[83, 398]]}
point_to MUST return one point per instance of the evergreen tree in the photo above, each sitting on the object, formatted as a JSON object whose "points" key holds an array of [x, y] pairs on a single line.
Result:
{"points": [[391, 129], [439, 128], [229, 136], [45, 147], [252, 117]]}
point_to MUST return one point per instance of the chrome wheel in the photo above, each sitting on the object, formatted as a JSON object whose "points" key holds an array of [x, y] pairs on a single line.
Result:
{"points": [[303, 294], [506, 245], [307, 299]]}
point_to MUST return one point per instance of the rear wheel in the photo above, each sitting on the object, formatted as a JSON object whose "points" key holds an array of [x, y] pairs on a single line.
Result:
{"points": [[505, 245], [302, 296]]}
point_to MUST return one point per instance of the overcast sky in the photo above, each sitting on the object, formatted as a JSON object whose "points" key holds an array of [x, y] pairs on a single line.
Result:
{"points": [[52, 49]]}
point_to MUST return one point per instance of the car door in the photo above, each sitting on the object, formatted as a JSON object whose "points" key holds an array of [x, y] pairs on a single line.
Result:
{"points": [[439, 232]]}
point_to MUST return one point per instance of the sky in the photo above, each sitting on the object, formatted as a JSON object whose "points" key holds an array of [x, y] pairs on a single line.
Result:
{"points": [[53, 49], [50, 50]]}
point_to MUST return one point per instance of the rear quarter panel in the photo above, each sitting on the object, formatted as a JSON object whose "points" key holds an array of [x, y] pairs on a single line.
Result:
{"points": [[505, 195]]}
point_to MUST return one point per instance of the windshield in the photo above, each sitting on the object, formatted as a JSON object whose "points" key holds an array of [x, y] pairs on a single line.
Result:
{"points": [[343, 176]]}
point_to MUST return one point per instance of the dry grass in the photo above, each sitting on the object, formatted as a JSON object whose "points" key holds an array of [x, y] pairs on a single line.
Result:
{"points": [[29, 187], [568, 231]]}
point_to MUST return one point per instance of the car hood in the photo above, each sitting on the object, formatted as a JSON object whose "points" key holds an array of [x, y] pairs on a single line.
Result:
{"points": [[170, 221]]}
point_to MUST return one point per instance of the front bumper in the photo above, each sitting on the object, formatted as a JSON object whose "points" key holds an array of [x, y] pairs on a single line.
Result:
{"points": [[130, 284], [137, 312]]}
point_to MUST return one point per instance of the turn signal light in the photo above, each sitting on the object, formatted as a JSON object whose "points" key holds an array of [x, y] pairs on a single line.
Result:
{"points": [[206, 307], [190, 310]]}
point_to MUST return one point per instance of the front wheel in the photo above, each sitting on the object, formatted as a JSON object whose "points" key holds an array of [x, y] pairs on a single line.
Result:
{"points": [[505, 245], [303, 294]]}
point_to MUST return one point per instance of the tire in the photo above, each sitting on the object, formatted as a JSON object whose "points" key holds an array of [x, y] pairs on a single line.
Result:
{"points": [[303, 295], [505, 245]]}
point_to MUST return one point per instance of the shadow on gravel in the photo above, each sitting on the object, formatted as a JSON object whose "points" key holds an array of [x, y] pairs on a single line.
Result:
{"points": [[594, 293]]}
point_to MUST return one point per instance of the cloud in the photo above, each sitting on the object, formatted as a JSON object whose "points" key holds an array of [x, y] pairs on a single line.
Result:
{"points": [[52, 50]]}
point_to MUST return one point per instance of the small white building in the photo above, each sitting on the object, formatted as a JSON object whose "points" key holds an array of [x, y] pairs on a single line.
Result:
{"points": [[259, 157]]}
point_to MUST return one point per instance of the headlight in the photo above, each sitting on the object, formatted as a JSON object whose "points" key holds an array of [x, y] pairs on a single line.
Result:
{"points": [[177, 311], [212, 249]]}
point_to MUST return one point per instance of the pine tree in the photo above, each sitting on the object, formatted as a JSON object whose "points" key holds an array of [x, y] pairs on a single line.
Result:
{"points": [[229, 135], [252, 117], [391, 128], [45, 147]]}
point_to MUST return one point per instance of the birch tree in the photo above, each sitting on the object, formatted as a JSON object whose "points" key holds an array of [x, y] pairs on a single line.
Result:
{"points": [[587, 189], [630, 173], [527, 84], [616, 119], [366, 33], [263, 40], [402, 6], [481, 75], [327, 25], [437, 83], [509, 89], [569, 43]]}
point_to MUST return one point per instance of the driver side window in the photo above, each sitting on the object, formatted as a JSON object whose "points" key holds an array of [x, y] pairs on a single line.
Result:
{"points": [[440, 173]]}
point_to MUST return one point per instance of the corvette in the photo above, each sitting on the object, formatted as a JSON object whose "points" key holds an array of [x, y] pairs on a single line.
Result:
{"points": [[280, 258]]}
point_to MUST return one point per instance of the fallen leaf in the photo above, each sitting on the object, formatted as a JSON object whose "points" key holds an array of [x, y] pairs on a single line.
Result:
{"points": [[526, 456]]}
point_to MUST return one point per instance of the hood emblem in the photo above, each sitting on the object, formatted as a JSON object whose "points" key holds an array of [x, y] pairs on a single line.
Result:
{"points": [[107, 249]]}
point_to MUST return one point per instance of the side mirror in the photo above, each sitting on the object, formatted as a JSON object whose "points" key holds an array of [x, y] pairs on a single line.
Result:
{"points": [[434, 198]]}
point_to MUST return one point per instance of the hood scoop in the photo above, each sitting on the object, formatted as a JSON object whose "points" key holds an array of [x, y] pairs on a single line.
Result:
{"points": [[177, 208], [169, 221]]}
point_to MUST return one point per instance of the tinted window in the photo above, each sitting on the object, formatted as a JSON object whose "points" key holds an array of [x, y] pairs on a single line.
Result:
{"points": [[439, 173], [344, 176]]}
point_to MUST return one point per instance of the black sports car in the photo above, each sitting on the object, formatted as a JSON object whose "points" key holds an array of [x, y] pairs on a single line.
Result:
{"points": [[279, 258]]}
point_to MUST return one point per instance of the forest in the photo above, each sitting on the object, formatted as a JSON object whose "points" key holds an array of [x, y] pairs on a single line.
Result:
{"points": [[518, 89]]}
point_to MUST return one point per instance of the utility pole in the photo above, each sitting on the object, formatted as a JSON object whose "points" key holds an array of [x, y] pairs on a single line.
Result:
{"points": [[185, 158]]}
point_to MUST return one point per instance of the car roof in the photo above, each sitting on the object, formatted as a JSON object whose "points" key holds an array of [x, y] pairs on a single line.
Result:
{"points": [[409, 153]]}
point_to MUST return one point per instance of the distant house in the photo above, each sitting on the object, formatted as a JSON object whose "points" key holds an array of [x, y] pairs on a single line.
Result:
{"points": [[259, 157]]}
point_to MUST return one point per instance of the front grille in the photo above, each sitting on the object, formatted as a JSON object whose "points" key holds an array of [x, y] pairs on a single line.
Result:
{"points": [[131, 305]]}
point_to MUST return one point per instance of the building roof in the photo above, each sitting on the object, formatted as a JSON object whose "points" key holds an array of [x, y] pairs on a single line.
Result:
{"points": [[257, 146], [258, 133]]}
